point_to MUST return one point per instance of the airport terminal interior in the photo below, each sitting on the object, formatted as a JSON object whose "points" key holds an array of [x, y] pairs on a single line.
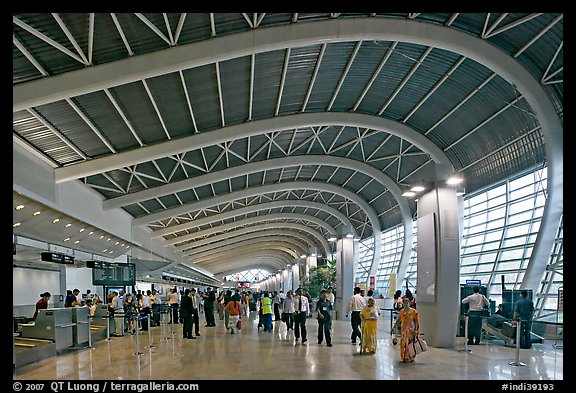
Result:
{"points": [[416, 158]]}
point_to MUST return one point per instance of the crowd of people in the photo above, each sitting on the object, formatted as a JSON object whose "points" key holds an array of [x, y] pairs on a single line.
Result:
{"points": [[292, 308]]}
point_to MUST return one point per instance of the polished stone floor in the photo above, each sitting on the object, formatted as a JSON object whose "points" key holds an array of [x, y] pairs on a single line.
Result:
{"points": [[253, 355]]}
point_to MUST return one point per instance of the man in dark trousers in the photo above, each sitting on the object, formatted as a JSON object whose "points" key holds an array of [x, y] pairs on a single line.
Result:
{"points": [[301, 311], [186, 314], [195, 316], [476, 302], [323, 307], [524, 309], [355, 305]]}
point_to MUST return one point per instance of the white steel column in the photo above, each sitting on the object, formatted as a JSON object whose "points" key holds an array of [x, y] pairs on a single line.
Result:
{"points": [[437, 289], [345, 262]]}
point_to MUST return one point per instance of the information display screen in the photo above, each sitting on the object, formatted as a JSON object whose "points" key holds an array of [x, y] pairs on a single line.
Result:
{"points": [[113, 274]]}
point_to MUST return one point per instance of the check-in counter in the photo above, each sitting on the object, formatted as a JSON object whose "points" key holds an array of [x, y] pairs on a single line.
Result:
{"points": [[32, 350], [81, 329], [99, 323], [53, 324]]}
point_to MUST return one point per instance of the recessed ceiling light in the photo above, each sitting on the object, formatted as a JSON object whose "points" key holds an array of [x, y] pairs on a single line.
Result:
{"points": [[77, 241], [417, 188], [19, 207], [117, 243], [105, 250], [122, 245], [101, 236], [66, 239], [81, 230], [90, 233], [68, 225], [111, 251], [108, 239], [36, 213], [54, 221], [408, 194], [16, 225]]}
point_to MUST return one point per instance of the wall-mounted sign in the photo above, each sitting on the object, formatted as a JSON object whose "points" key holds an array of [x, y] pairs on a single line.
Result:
{"points": [[57, 257]]}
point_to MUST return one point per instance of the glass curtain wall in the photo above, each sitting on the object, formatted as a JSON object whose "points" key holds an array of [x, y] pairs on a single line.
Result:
{"points": [[498, 235]]}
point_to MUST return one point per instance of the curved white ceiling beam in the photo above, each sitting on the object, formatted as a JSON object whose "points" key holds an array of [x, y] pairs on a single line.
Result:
{"points": [[273, 260], [227, 240], [260, 227], [227, 258], [253, 191], [258, 219], [252, 209], [298, 246], [236, 132], [289, 186]]}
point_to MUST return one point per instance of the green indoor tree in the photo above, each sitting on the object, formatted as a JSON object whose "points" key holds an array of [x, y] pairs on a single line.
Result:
{"points": [[320, 277]]}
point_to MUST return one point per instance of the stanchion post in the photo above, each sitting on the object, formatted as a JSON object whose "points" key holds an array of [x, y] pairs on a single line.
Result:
{"points": [[108, 327], [89, 334], [517, 362], [167, 311], [466, 349], [138, 353], [149, 335]]}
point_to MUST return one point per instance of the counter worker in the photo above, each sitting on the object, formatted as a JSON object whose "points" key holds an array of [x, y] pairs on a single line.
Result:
{"points": [[476, 302], [42, 304]]}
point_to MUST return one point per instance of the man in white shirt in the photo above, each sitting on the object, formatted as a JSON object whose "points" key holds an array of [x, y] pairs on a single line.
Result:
{"points": [[173, 301], [476, 302], [355, 305], [118, 306], [330, 297], [301, 311]]}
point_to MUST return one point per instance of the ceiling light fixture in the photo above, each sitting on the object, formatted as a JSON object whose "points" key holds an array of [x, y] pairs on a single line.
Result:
{"points": [[332, 239], [418, 188], [19, 207], [16, 225], [54, 221], [453, 180], [68, 225], [66, 239], [408, 194], [81, 230], [36, 213]]}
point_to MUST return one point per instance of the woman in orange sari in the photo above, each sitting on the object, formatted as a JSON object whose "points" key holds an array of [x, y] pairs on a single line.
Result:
{"points": [[369, 317], [409, 320]]}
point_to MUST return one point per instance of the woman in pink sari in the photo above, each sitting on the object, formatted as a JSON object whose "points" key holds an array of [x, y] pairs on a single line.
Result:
{"points": [[409, 320]]}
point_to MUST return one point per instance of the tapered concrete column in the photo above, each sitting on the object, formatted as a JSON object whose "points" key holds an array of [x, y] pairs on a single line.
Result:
{"points": [[311, 259], [285, 280], [279, 281], [345, 266], [438, 266], [295, 275]]}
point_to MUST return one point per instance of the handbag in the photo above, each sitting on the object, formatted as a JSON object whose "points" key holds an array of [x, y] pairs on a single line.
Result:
{"points": [[417, 346]]}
